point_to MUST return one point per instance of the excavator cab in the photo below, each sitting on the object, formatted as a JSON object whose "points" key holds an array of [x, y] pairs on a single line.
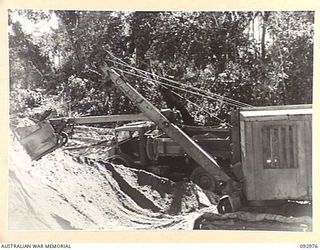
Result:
{"points": [[40, 139]]}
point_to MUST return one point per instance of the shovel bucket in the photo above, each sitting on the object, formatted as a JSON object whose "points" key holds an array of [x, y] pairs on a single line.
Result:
{"points": [[40, 139]]}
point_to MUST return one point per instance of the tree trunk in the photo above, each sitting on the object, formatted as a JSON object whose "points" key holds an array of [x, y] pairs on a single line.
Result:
{"points": [[263, 36]]}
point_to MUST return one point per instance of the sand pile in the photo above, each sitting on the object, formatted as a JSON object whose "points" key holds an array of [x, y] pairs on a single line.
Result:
{"points": [[61, 191]]}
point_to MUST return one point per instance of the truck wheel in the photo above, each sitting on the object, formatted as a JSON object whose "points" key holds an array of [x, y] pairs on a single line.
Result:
{"points": [[203, 179]]}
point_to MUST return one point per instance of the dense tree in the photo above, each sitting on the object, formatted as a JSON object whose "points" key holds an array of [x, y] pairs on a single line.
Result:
{"points": [[260, 58]]}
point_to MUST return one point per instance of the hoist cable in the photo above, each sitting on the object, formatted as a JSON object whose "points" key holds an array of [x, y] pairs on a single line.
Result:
{"points": [[223, 98], [176, 87], [200, 108], [180, 96], [172, 81]]}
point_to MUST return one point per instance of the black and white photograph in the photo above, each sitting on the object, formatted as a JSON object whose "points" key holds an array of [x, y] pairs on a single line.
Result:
{"points": [[160, 120]]}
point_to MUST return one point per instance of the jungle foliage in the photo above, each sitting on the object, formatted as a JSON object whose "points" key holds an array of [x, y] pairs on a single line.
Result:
{"points": [[259, 58]]}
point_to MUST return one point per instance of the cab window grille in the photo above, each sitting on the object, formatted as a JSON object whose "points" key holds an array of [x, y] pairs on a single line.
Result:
{"points": [[279, 146]]}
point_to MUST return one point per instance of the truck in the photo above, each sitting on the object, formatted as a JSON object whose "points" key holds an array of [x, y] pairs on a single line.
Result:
{"points": [[265, 156]]}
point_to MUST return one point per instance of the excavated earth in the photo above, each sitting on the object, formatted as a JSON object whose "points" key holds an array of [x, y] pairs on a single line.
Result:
{"points": [[77, 189], [69, 190]]}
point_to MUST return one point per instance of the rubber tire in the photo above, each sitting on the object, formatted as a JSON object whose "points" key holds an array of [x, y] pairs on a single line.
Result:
{"points": [[203, 179]]}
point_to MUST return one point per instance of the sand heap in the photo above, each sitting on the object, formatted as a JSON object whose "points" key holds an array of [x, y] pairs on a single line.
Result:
{"points": [[61, 191]]}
